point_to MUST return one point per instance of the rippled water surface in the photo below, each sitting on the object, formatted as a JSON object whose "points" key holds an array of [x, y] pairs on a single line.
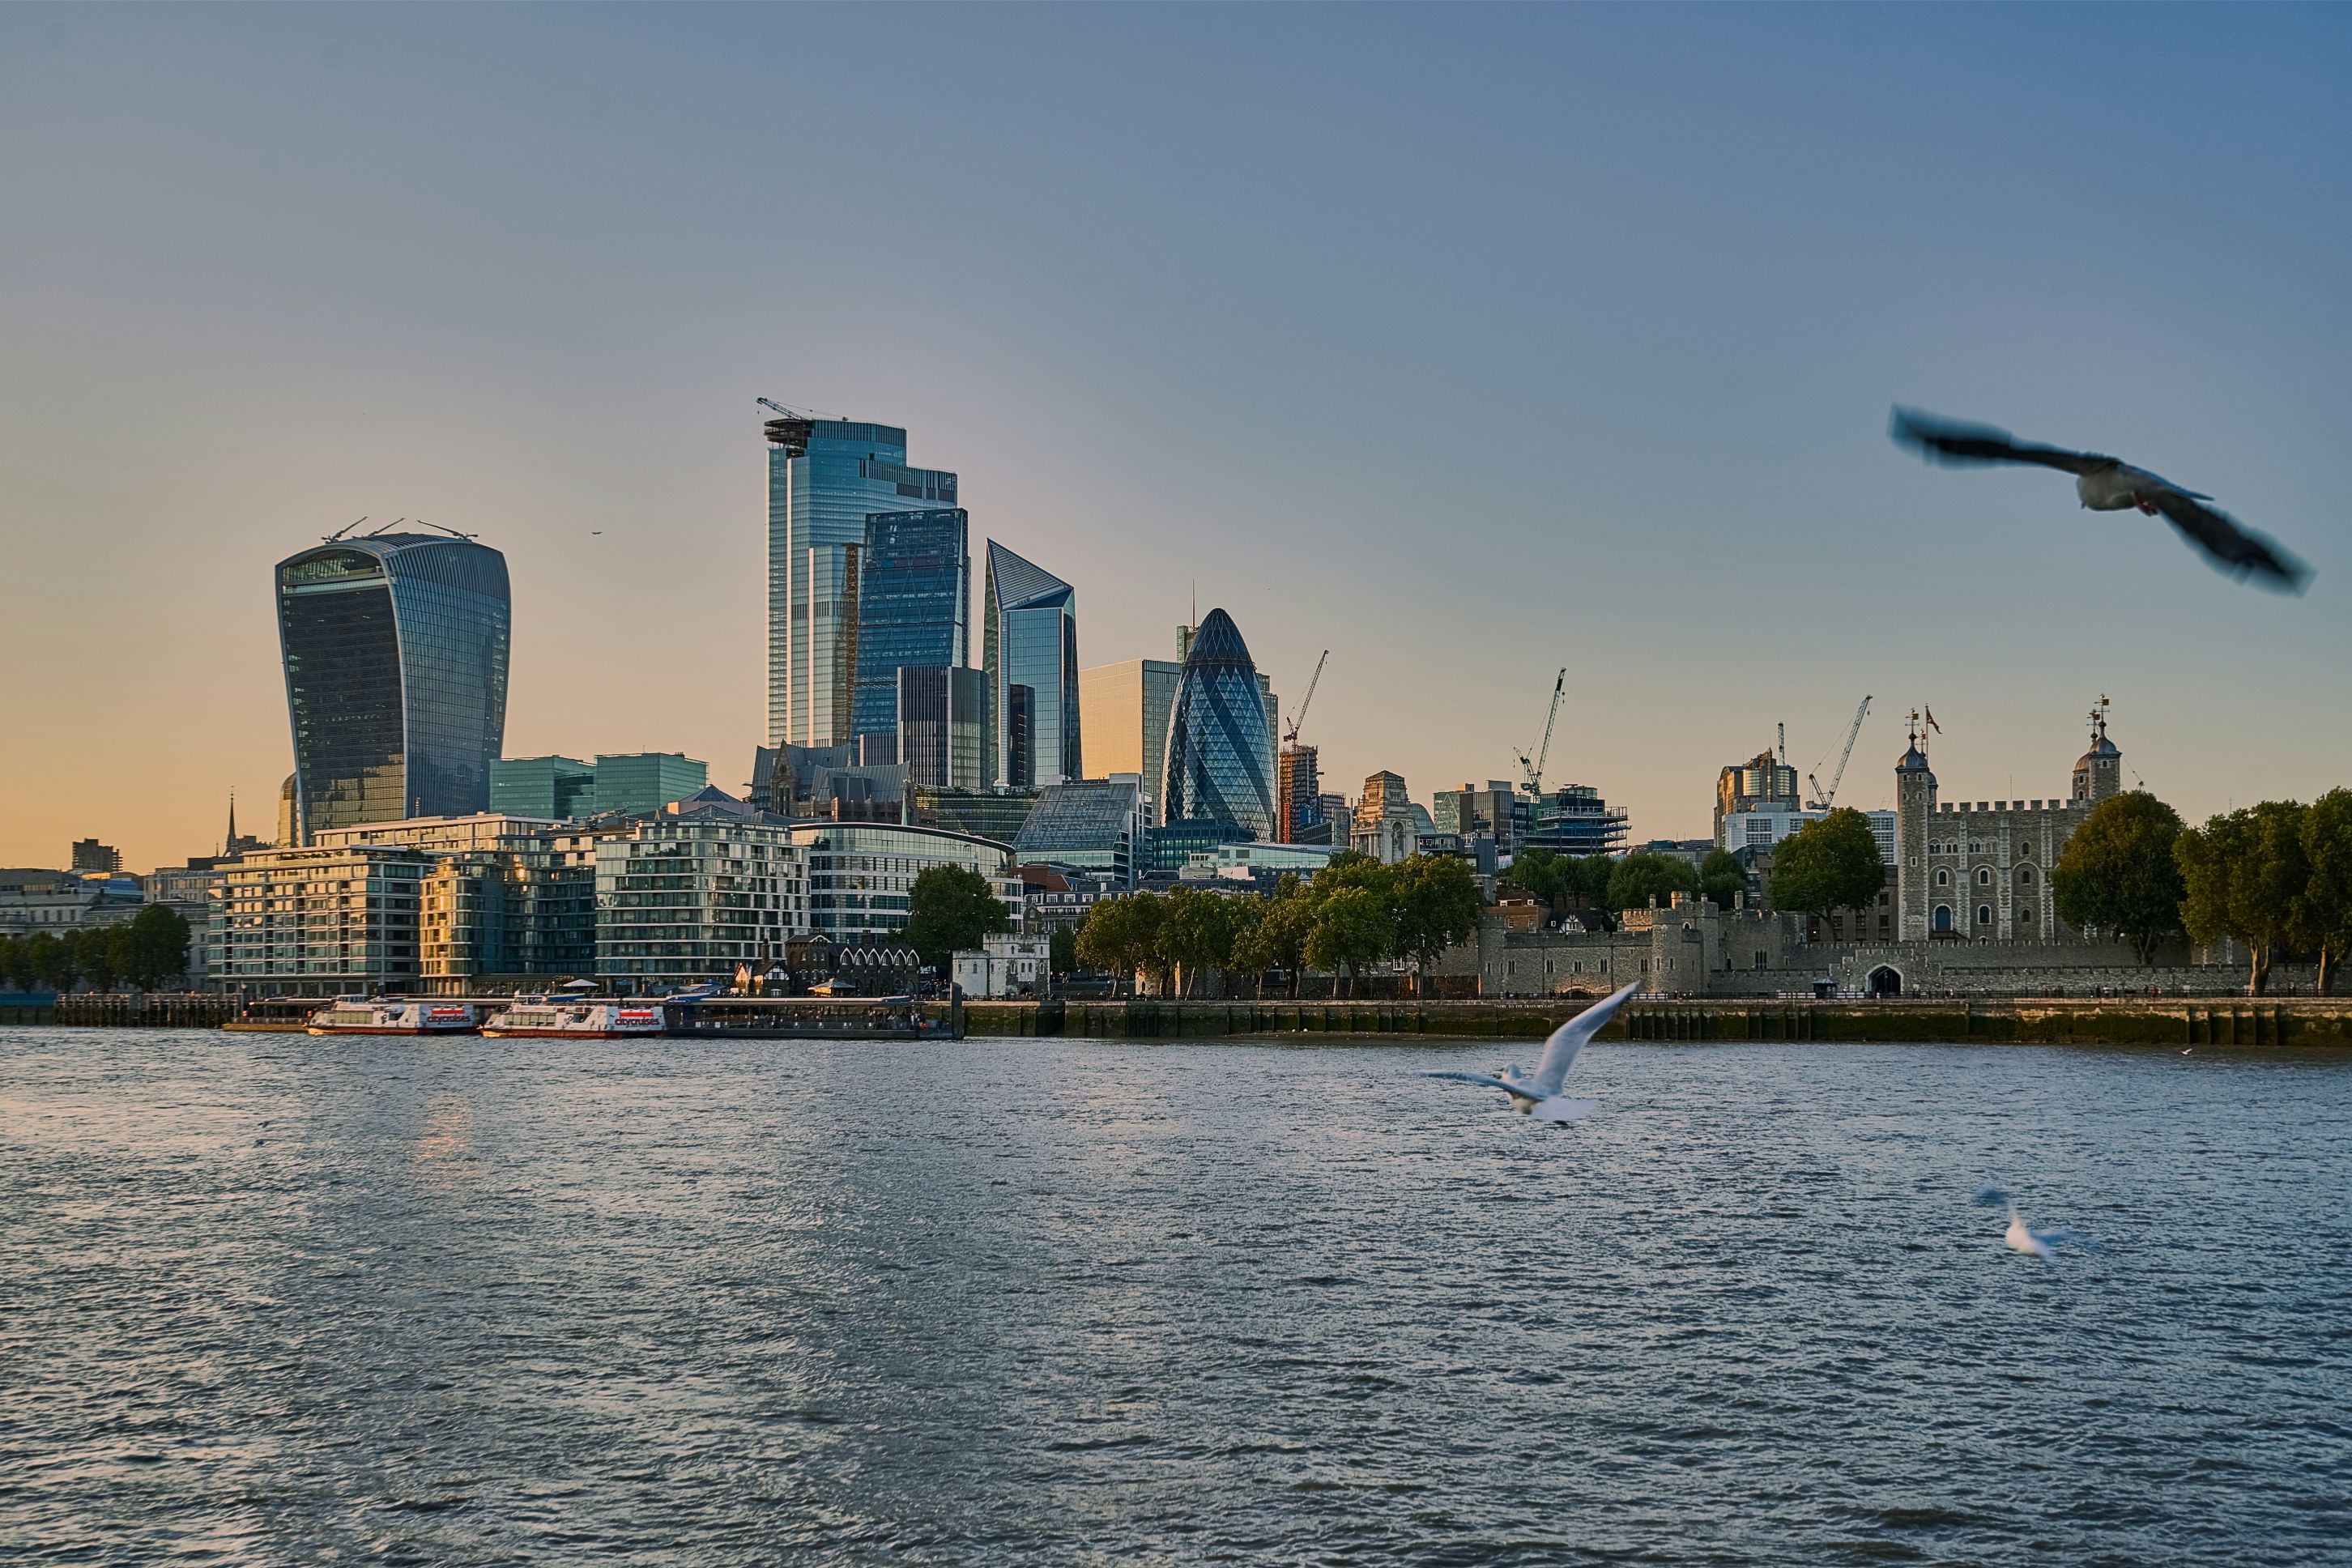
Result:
{"points": [[272, 1300]]}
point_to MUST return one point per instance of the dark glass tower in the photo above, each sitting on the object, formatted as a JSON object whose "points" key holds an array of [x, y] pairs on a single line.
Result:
{"points": [[1220, 748], [914, 604], [942, 728], [825, 478], [1029, 637], [395, 654]]}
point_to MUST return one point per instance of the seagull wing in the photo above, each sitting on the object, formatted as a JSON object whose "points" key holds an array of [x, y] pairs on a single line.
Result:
{"points": [[1559, 1051], [2231, 546], [1945, 441], [1516, 1090]]}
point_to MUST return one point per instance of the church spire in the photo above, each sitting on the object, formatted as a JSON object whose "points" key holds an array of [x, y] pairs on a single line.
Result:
{"points": [[229, 847]]}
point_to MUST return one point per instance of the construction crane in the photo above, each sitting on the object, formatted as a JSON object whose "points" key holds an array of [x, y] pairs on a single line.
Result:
{"points": [[1823, 799], [1533, 767], [1290, 736]]}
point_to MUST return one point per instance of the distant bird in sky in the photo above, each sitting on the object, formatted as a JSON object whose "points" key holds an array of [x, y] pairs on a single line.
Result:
{"points": [[2021, 1238], [2110, 484], [1536, 1094]]}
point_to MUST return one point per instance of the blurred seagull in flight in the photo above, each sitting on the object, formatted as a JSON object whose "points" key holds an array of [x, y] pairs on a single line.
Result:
{"points": [[2110, 484], [2020, 1236], [1536, 1094]]}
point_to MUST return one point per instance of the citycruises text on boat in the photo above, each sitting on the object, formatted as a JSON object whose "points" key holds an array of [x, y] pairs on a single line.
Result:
{"points": [[392, 1016], [577, 1017]]}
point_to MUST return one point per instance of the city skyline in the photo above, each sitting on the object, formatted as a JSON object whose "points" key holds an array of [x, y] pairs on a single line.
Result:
{"points": [[1632, 420]]}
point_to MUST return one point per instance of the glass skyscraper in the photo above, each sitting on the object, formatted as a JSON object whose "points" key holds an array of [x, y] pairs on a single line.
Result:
{"points": [[1126, 708], [1029, 637], [1219, 745], [394, 647], [942, 725], [914, 606], [825, 478]]}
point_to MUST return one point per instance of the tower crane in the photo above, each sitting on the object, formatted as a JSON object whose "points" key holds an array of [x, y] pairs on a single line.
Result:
{"points": [[1823, 799], [1533, 768], [1290, 736]]}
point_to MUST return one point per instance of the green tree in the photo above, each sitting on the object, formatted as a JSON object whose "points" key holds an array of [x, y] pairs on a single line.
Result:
{"points": [[1722, 878], [950, 910], [1277, 939], [1636, 879], [1122, 935], [1542, 873], [1352, 928], [2327, 898], [2118, 874], [16, 968], [158, 947], [1062, 950], [2246, 875], [52, 961], [1437, 904], [1831, 864], [93, 956], [1198, 934]]}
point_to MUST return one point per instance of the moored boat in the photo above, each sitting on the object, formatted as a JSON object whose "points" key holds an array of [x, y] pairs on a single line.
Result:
{"points": [[577, 1017], [392, 1016]]}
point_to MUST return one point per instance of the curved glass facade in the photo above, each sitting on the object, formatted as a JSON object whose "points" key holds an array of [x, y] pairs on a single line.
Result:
{"points": [[1220, 746], [395, 656]]}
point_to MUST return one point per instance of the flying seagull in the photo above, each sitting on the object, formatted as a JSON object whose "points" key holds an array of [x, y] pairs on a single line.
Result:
{"points": [[1536, 1094], [2021, 1238], [2110, 484]]}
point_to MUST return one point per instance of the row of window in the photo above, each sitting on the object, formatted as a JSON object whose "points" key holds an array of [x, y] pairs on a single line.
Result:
{"points": [[1984, 877]]}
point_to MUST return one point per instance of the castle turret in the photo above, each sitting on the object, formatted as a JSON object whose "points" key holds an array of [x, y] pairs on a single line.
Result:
{"points": [[1914, 803], [2099, 772]]}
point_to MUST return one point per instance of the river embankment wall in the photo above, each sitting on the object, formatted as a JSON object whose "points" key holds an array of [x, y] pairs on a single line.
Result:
{"points": [[2188, 1021]]}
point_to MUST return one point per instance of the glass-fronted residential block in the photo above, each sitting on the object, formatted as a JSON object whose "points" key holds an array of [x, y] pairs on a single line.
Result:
{"points": [[635, 783], [825, 478], [914, 607], [862, 873], [1220, 744], [681, 900], [394, 647], [1029, 637], [553, 788], [320, 921], [942, 713], [1092, 825], [1125, 709]]}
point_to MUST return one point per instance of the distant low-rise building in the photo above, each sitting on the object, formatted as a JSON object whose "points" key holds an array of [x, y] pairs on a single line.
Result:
{"points": [[320, 921], [861, 874], [1091, 825], [1006, 967]]}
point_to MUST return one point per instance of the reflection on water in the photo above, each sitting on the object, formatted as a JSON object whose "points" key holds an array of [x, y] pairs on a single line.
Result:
{"points": [[281, 1299]]}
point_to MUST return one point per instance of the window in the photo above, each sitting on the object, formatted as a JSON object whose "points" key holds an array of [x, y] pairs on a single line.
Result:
{"points": [[2025, 876], [1943, 879], [1984, 914], [1943, 917], [1984, 876]]}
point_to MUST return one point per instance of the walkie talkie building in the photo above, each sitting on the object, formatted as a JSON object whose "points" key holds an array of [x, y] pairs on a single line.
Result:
{"points": [[395, 653]]}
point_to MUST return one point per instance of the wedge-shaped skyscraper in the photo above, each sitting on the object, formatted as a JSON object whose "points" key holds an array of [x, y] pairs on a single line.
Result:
{"points": [[1220, 746], [395, 653], [1029, 652]]}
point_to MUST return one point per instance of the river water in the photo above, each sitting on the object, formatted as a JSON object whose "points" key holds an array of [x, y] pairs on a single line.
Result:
{"points": [[271, 1299]]}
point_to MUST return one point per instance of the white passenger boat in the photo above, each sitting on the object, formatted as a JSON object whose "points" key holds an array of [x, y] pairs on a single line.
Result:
{"points": [[392, 1016], [577, 1017]]}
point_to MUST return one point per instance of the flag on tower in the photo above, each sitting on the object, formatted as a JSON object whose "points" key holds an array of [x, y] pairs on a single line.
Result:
{"points": [[1931, 721]]}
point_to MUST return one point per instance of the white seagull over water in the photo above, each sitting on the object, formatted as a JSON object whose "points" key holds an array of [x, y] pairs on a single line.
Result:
{"points": [[2109, 484], [2022, 1238], [1536, 1094]]}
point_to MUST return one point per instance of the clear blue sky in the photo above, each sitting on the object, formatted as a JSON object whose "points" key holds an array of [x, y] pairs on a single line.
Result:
{"points": [[1466, 342]]}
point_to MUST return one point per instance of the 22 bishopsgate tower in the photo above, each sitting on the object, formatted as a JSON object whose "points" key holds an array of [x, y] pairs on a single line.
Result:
{"points": [[827, 478], [395, 654]]}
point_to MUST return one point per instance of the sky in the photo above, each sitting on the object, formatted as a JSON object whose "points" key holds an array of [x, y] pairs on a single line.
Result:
{"points": [[1468, 344]]}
